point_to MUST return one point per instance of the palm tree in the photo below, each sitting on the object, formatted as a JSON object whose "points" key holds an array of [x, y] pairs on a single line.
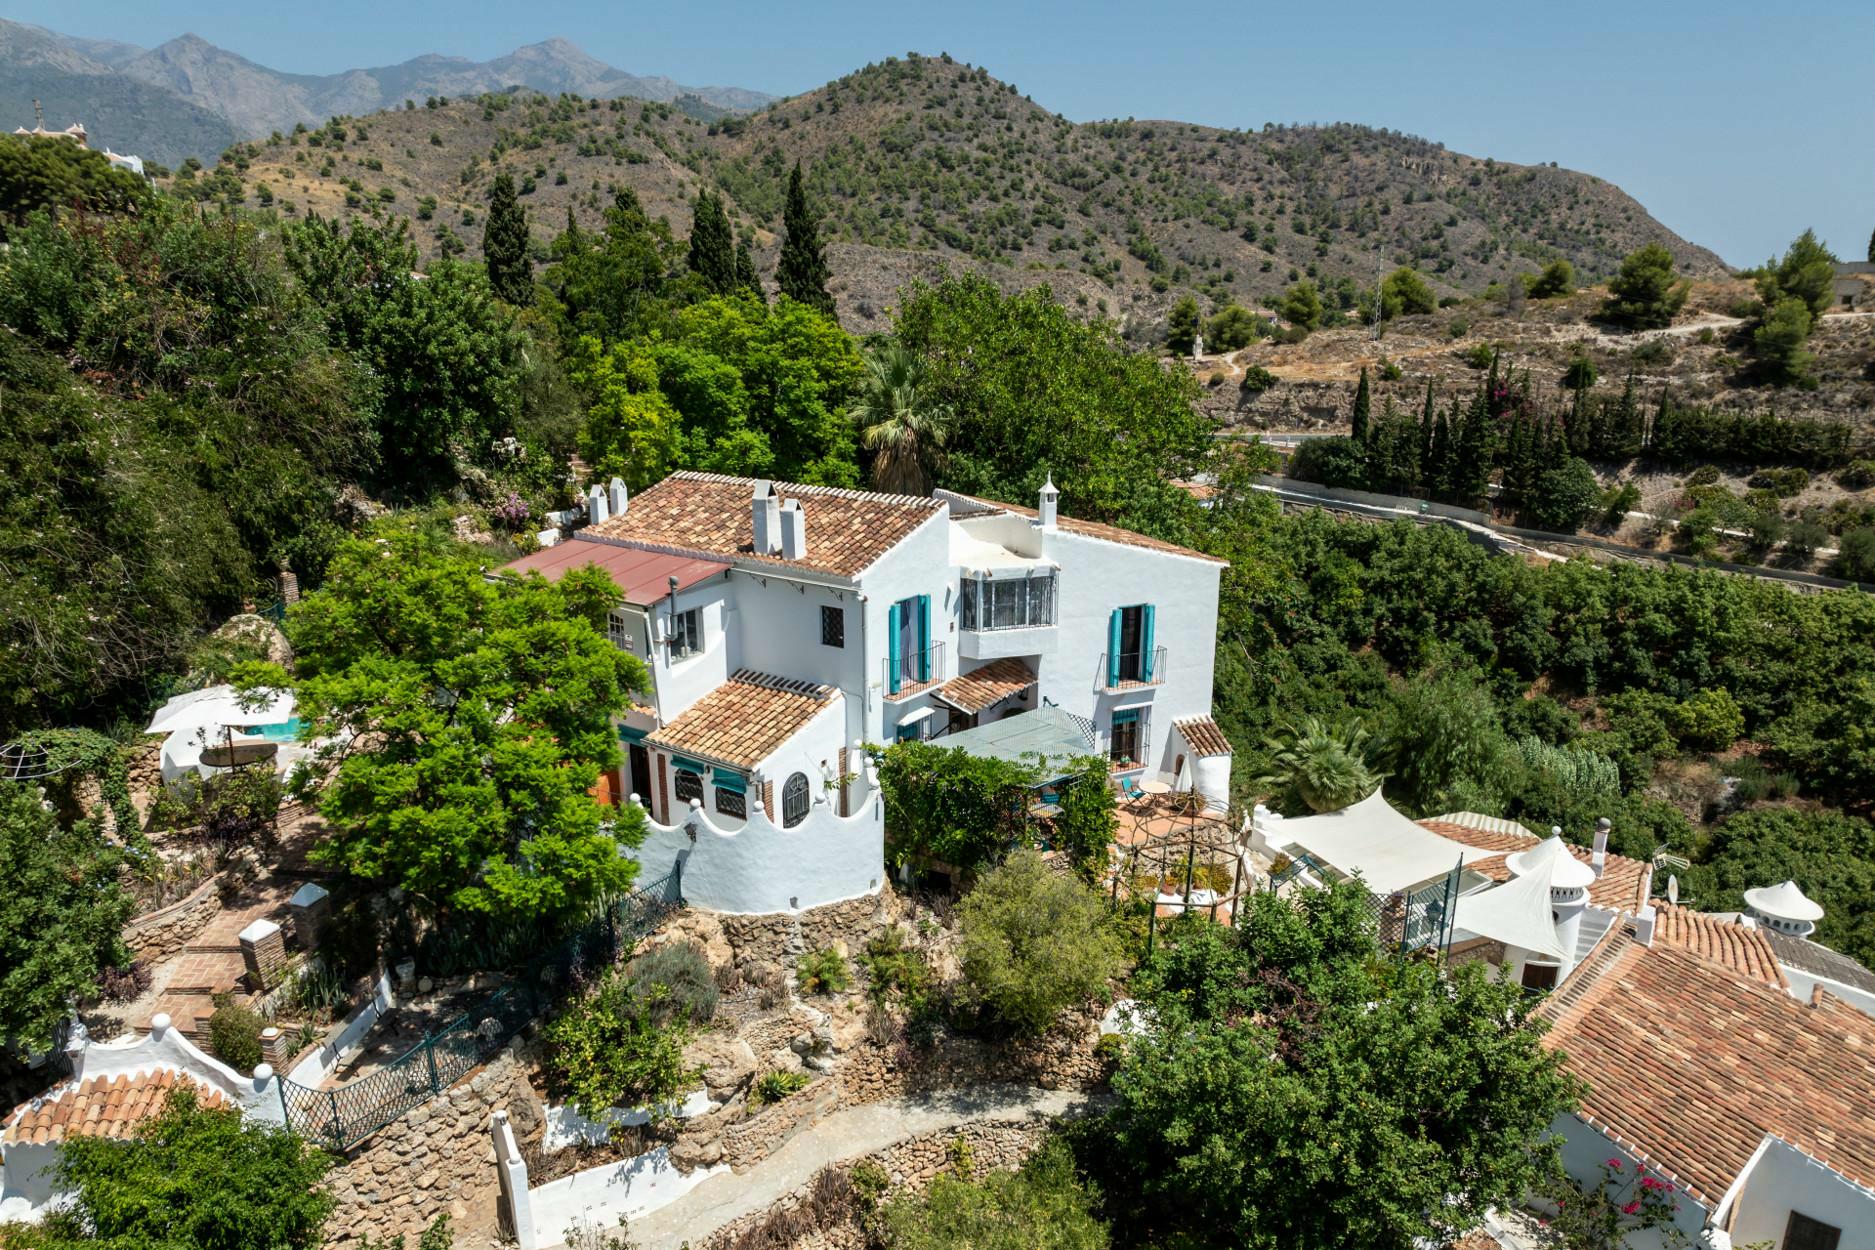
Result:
{"points": [[1319, 764], [900, 421]]}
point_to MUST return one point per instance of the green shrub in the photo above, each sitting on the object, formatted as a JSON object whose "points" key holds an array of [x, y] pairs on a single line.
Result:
{"points": [[1704, 475], [1457, 328], [234, 1036], [1479, 355], [822, 972], [1710, 720], [1035, 943], [1043, 1206], [1257, 379], [1558, 278], [1390, 370], [1332, 461], [676, 982], [1856, 475], [605, 1050], [894, 970], [775, 1085], [1782, 482]]}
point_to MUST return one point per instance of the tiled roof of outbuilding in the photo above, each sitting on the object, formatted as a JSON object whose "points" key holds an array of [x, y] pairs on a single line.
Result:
{"points": [[101, 1106], [1622, 886], [1690, 1063], [847, 530], [1203, 736], [744, 720]]}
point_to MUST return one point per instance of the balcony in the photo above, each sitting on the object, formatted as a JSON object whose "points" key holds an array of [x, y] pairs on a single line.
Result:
{"points": [[1006, 616], [910, 665], [1134, 670]]}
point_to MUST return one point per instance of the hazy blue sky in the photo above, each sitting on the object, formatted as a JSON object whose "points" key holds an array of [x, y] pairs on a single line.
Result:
{"points": [[1737, 124]]}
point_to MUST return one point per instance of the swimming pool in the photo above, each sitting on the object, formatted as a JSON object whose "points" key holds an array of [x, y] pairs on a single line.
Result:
{"points": [[280, 731]]}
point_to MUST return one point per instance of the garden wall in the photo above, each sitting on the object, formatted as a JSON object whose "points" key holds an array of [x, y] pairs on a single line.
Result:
{"points": [[157, 935]]}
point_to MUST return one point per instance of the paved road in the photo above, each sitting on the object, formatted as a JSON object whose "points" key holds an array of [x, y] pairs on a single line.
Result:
{"points": [[846, 1134]]}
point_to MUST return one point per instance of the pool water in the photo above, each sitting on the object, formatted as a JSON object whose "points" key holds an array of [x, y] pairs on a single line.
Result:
{"points": [[280, 731]]}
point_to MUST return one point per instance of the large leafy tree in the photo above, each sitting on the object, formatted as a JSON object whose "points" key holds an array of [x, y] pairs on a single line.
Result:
{"points": [[504, 244], [1037, 391], [901, 421], [1805, 272], [1291, 1056], [60, 912], [193, 1178], [613, 284], [1830, 855], [38, 174], [802, 269], [1406, 293], [471, 717]]}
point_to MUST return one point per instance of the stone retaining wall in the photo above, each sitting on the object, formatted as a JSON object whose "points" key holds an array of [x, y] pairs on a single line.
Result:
{"points": [[751, 1140], [1063, 1058], [994, 1145], [438, 1158], [157, 935]]}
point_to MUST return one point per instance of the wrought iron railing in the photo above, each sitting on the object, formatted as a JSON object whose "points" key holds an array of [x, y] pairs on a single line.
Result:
{"points": [[1130, 670], [916, 670], [342, 1117]]}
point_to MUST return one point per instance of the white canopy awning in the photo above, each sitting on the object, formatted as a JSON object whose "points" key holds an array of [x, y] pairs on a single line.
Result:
{"points": [[1389, 851], [1516, 913], [220, 705]]}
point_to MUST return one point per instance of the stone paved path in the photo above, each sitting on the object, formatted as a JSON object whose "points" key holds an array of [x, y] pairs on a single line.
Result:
{"points": [[846, 1134]]}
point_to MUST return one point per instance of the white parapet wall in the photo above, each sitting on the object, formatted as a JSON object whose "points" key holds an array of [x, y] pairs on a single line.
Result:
{"points": [[761, 867]]}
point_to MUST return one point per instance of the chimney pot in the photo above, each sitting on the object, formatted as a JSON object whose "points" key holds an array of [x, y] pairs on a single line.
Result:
{"points": [[618, 496], [595, 506], [1048, 500], [793, 531], [1598, 859], [765, 519]]}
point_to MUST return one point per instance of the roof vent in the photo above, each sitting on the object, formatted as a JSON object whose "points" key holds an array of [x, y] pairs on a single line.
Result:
{"points": [[765, 518], [1784, 909], [793, 530]]}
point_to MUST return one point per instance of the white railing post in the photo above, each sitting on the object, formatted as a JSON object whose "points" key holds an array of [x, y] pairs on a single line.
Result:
{"points": [[511, 1170]]}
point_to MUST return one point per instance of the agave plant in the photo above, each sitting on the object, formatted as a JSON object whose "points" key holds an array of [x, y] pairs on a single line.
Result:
{"points": [[1322, 766]]}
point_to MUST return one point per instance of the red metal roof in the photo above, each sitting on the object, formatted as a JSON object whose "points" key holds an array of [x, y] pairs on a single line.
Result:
{"points": [[643, 576]]}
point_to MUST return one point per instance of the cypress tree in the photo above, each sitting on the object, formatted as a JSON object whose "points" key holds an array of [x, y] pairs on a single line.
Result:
{"points": [[1871, 246], [504, 244], [802, 270], [712, 255], [1363, 406], [1438, 470], [1426, 421], [1471, 458], [745, 270]]}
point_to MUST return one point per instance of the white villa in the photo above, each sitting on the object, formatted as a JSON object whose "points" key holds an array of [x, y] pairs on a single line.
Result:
{"points": [[786, 627]]}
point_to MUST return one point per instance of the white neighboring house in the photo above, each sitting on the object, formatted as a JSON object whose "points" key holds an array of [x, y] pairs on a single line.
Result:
{"points": [[785, 627], [113, 1088]]}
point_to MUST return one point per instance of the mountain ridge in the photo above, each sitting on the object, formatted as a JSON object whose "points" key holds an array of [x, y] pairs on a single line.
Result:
{"points": [[250, 99]]}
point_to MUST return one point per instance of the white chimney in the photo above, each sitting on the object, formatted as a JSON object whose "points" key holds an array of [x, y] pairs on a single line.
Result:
{"points": [[595, 505], [1598, 858], [618, 497], [1049, 496], [765, 515], [793, 530], [1784, 909]]}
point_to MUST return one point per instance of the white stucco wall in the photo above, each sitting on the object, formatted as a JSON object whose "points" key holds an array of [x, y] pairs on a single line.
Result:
{"points": [[682, 683], [597, 1197], [1803, 984], [762, 868], [1783, 1179], [1585, 1149], [919, 565]]}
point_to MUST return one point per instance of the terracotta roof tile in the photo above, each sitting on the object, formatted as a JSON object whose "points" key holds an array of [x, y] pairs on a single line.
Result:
{"points": [[1203, 736], [101, 1106], [985, 687], [1622, 887], [743, 721], [1092, 529], [847, 530], [1722, 941], [1690, 1063]]}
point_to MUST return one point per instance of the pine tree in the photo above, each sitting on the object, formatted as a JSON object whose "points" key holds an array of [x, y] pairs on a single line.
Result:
{"points": [[1181, 327], [1438, 472], [504, 244], [745, 270], [1363, 405], [802, 270], [1471, 457], [712, 254]]}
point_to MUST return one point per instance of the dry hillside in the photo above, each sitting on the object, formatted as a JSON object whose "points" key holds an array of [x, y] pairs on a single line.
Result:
{"points": [[925, 160]]}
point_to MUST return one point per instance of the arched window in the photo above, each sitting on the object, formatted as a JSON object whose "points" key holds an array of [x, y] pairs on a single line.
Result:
{"points": [[688, 786], [794, 801]]}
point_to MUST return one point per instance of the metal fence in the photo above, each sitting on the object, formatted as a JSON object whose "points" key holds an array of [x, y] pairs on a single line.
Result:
{"points": [[1406, 920], [342, 1117]]}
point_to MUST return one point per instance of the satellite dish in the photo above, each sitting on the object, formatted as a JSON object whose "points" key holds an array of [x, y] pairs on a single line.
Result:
{"points": [[1673, 889]]}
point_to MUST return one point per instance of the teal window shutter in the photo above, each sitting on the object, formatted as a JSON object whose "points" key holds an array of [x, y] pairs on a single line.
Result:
{"points": [[891, 645], [1113, 648], [627, 734], [924, 637], [1126, 716], [723, 779], [1145, 645]]}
